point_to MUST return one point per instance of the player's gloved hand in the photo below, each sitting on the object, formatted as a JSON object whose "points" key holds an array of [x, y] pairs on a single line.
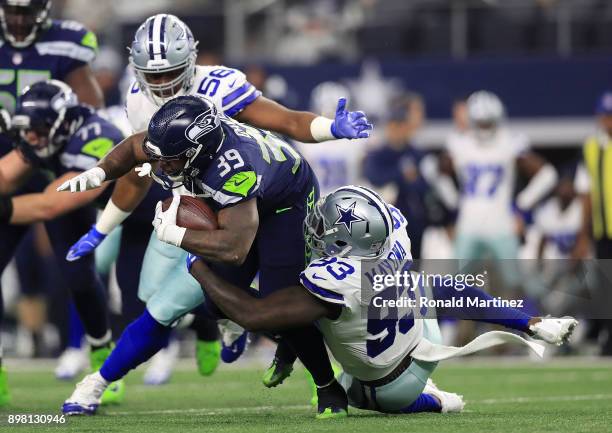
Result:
{"points": [[191, 259], [144, 170], [164, 223], [85, 181], [5, 121], [350, 124], [85, 245]]}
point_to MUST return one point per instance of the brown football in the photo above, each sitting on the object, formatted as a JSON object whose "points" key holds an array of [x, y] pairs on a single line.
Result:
{"points": [[193, 214]]}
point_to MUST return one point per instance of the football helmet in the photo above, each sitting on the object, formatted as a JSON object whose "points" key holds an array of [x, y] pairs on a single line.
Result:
{"points": [[163, 55], [22, 20], [186, 128], [485, 112], [51, 110], [350, 221]]}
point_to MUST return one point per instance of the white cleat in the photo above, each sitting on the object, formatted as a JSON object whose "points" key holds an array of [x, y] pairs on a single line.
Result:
{"points": [[449, 401], [554, 330], [71, 363], [86, 397], [162, 365]]}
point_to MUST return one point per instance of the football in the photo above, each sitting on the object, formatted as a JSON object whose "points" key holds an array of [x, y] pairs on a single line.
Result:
{"points": [[193, 213]]}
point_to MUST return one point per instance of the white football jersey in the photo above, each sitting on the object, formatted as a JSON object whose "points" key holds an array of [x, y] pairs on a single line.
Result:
{"points": [[226, 87], [336, 163], [559, 226], [368, 349], [486, 173]]}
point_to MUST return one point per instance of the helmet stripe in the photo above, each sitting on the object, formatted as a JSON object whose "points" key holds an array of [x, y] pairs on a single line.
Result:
{"points": [[157, 36], [162, 40]]}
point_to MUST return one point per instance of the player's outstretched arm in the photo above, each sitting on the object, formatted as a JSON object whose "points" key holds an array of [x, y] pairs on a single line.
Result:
{"points": [[85, 85], [543, 178], [291, 307], [49, 204], [305, 126], [14, 170], [229, 244], [119, 161]]}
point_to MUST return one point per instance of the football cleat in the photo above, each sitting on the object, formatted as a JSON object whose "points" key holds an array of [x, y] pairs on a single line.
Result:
{"points": [[554, 330], [277, 373], [86, 397], [71, 363], [234, 340], [162, 364], [5, 395], [115, 392], [333, 402], [207, 356], [314, 400], [449, 401]]}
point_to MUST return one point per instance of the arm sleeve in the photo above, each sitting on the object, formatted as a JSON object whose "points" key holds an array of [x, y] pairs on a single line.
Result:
{"points": [[236, 92], [78, 46]]}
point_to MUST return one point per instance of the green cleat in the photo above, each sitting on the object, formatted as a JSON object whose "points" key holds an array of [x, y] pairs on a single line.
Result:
{"points": [[208, 354], [331, 414], [5, 395], [115, 392], [276, 373]]}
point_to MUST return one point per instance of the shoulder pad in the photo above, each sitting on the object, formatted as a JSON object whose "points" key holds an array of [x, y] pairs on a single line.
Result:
{"points": [[332, 279]]}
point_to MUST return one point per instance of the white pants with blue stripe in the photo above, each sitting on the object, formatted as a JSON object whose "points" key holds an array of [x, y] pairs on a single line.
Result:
{"points": [[166, 286], [403, 391]]}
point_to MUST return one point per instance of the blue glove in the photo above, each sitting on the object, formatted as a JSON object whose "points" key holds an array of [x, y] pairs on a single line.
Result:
{"points": [[191, 259], [84, 246], [350, 124]]}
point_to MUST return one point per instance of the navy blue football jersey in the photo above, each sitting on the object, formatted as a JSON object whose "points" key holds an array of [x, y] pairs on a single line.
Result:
{"points": [[61, 48], [94, 138], [253, 163]]}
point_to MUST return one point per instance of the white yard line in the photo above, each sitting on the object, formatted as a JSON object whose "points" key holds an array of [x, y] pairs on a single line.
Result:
{"points": [[227, 410]]}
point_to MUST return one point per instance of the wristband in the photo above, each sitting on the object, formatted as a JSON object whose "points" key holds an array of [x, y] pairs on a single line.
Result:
{"points": [[6, 209], [111, 217], [321, 129]]}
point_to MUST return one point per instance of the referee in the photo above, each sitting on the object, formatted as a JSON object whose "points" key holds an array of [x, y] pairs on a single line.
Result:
{"points": [[594, 183]]}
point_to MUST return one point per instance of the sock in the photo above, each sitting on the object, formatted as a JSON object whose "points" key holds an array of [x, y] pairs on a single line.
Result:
{"points": [[75, 328], [423, 403], [205, 328], [308, 344], [505, 316], [285, 353], [142, 339]]}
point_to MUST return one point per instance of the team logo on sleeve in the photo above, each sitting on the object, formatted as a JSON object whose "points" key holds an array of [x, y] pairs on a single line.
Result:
{"points": [[347, 217], [202, 125]]}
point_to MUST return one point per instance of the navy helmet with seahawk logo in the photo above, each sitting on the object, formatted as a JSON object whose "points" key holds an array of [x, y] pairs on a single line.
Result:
{"points": [[189, 128]]}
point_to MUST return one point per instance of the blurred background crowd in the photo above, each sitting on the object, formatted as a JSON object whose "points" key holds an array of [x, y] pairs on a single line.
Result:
{"points": [[410, 65]]}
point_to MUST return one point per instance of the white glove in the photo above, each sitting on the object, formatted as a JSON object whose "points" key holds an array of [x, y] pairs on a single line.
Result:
{"points": [[144, 170], [85, 181], [165, 223]]}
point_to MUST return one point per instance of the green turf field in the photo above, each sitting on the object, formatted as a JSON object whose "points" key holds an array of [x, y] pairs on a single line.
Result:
{"points": [[502, 396]]}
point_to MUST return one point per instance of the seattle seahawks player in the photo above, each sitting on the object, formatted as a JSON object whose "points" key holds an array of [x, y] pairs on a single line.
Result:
{"points": [[57, 135], [261, 188], [163, 55], [33, 47], [388, 353]]}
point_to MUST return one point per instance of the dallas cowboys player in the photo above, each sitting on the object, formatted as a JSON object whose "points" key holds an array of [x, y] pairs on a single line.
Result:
{"points": [[163, 55], [485, 160], [56, 134], [261, 187], [387, 360]]}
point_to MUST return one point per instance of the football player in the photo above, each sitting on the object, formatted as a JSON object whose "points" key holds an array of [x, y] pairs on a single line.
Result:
{"points": [[34, 47], [56, 134], [485, 160], [387, 359], [262, 189], [163, 55]]}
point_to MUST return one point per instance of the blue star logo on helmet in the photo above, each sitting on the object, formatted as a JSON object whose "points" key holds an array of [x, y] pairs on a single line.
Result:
{"points": [[347, 217], [202, 125]]}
